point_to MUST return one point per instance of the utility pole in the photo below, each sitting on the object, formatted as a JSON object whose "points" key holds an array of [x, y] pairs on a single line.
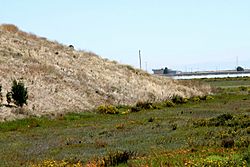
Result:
{"points": [[146, 65], [237, 62], [140, 58]]}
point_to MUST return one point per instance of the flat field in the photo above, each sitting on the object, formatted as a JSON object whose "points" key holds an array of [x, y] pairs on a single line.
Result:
{"points": [[201, 131]]}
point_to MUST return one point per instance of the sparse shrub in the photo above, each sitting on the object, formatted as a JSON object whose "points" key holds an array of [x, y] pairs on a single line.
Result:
{"points": [[10, 28], [227, 143], [100, 143], [209, 97], [115, 158], [151, 119], [220, 120], [248, 130], [107, 109], [179, 100], [243, 142], [19, 93], [246, 156], [9, 97], [174, 126], [201, 122], [225, 117], [223, 161], [55, 163], [196, 99], [135, 109], [144, 105], [243, 88], [169, 103], [120, 126], [206, 97]]}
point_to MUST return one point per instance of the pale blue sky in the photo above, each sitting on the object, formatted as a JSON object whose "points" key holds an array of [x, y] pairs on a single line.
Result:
{"points": [[179, 34]]}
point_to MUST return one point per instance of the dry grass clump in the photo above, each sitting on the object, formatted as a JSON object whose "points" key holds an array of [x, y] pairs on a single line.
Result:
{"points": [[9, 27], [61, 79]]}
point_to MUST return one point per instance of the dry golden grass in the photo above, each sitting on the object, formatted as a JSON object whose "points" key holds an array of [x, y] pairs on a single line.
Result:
{"points": [[10, 28], [61, 79]]}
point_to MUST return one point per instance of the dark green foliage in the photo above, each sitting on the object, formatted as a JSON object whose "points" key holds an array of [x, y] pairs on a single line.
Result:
{"points": [[240, 121], [144, 105], [227, 143], [135, 109], [174, 126], [179, 100], [221, 119], [9, 97], [246, 155], [19, 93], [1, 96]]}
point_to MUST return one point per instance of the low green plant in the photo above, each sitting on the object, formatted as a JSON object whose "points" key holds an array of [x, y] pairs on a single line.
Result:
{"points": [[196, 99], [206, 97], [169, 103], [179, 100], [215, 160], [107, 109]]}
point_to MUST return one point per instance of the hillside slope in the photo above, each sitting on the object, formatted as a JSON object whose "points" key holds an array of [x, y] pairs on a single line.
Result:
{"points": [[61, 79]]}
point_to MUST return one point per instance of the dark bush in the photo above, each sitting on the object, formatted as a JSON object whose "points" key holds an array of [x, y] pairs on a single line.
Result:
{"points": [[151, 119], [243, 88], [1, 95], [227, 143], [19, 93], [220, 120], [116, 158], [144, 105], [9, 97], [225, 117], [174, 126], [179, 100], [135, 109]]}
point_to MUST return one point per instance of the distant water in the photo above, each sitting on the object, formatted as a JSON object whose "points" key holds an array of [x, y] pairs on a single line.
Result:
{"points": [[211, 76]]}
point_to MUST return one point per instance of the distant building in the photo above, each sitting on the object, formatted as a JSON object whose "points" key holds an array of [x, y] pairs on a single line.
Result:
{"points": [[158, 71], [166, 71]]}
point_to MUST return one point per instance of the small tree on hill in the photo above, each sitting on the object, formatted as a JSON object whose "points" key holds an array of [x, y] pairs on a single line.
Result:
{"points": [[19, 93]]}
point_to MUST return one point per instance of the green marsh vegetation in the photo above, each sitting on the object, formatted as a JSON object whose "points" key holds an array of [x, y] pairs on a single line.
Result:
{"points": [[203, 131]]}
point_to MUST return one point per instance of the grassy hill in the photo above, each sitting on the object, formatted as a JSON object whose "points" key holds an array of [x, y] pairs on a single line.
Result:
{"points": [[61, 79], [212, 131]]}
